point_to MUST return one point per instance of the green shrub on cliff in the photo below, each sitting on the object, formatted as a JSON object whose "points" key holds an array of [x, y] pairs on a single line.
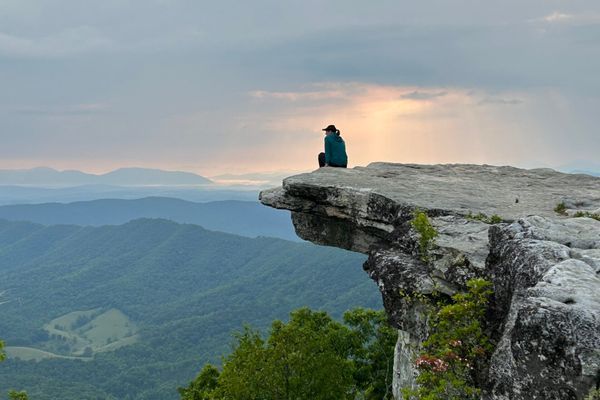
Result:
{"points": [[587, 214], [594, 394], [427, 233], [494, 219], [456, 345], [561, 208]]}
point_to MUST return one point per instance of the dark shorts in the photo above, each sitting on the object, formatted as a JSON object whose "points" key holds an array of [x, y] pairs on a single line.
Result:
{"points": [[322, 162]]}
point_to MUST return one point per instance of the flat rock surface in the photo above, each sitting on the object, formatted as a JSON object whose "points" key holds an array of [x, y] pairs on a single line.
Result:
{"points": [[455, 188]]}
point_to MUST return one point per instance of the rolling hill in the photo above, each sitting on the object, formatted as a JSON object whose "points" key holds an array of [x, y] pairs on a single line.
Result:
{"points": [[165, 295], [15, 194], [238, 217]]}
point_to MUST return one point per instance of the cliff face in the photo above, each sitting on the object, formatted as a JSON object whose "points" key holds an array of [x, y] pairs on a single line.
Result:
{"points": [[545, 268]]}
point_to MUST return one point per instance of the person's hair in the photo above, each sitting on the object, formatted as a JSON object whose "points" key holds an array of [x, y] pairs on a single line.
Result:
{"points": [[337, 132]]}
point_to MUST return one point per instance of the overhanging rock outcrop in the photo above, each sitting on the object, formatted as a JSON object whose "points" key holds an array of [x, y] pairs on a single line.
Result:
{"points": [[545, 267]]}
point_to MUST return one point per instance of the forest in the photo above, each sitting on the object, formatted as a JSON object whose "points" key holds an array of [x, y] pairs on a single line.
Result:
{"points": [[133, 311]]}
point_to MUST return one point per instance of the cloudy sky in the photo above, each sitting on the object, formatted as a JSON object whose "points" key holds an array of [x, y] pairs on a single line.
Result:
{"points": [[243, 86]]}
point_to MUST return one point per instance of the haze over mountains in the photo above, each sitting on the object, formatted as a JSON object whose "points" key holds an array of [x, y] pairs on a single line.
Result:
{"points": [[43, 185], [246, 218], [141, 177], [120, 177], [15, 194], [581, 167]]}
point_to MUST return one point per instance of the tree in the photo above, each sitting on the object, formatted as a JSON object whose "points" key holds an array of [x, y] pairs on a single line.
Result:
{"points": [[14, 395], [310, 357], [307, 358], [203, 387], [373, 354]]}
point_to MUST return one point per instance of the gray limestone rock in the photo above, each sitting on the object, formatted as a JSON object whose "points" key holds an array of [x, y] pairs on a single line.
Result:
{"points": [[549, 343], [545, 267]]}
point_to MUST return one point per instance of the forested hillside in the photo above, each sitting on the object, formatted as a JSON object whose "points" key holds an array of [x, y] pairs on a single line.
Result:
{"points": [[132, 311]]}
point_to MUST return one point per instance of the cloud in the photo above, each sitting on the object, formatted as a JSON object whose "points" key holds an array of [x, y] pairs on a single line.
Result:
{"points": [[562, 18], [75, 109], [416, 95], [500, 100], [298, 96], [557, 17], [67, 42], [234, 87]]}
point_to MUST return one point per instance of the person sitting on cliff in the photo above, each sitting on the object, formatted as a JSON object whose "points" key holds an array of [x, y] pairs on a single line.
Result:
{"points": [[335, 149]]}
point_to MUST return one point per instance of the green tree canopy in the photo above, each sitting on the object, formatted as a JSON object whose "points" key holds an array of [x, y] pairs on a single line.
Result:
{"points": [[14, 395], [373, 354], [203, 386], [310, 357]]}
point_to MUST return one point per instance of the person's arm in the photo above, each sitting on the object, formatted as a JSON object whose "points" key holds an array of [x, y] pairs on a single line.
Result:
{"points": [[327, 151]]}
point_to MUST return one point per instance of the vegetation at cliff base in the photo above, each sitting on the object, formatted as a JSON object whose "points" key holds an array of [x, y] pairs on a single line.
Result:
{"points": [[310, 357], [456, 346]]}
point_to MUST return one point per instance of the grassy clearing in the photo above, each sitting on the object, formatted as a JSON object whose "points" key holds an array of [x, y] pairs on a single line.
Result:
{"points": [[83, 333], [106, 328], [29, 353]]}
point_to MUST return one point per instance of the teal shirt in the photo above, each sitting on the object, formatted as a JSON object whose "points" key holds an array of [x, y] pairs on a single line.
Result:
{"points": [[335, 151]]}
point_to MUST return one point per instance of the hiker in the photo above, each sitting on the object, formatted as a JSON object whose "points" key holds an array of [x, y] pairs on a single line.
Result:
{"points": [[335, 149]]}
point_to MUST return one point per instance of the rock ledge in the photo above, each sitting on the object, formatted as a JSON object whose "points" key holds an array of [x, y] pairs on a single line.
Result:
{"points": [[545, 267]]}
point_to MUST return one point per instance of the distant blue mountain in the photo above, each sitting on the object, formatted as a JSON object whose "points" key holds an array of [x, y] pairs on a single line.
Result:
{"points": [[124, 176], [246, 218], [583, 171], [581, 167], [15, 194]]}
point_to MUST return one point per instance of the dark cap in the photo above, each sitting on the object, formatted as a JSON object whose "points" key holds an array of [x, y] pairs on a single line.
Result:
{"points": [[331, 128]]}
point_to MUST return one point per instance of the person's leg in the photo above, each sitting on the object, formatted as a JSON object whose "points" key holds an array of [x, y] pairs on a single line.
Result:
{"points": [[321, 160]]}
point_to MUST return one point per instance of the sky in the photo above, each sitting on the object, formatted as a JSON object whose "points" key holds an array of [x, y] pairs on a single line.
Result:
{"points": [[246, 86]]}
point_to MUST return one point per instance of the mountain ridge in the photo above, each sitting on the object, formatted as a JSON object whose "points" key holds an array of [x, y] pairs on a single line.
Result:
{"points": [[129, 176], [246, 218]]}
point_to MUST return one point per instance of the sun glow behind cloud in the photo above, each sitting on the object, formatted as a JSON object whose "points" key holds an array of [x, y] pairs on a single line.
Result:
{"points": [[92, 89], [281, 130], [401, 124]]}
